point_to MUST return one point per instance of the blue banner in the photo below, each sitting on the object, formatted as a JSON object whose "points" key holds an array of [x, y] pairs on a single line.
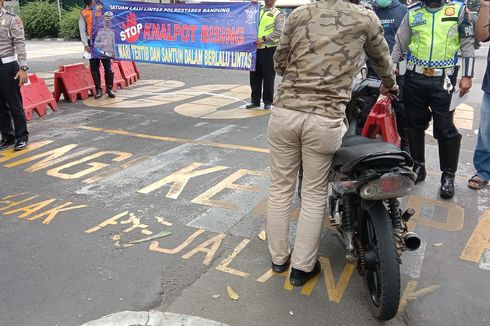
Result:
{"points": [[218, 35]]}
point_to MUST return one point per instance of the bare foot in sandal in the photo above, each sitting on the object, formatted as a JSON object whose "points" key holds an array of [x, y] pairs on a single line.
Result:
{"points": [[477, 183]]}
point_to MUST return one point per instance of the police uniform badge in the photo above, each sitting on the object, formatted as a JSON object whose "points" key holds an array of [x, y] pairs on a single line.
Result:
{"points": [[449, 11], [251, 13]]}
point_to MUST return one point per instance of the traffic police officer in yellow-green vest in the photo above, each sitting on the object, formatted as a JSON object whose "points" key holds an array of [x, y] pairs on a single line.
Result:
{"points": [[271, 25], [428, 41]]}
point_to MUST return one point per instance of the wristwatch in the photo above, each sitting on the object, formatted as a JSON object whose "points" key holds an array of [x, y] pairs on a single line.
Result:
{"points": [[24, 68], [264, 39]]}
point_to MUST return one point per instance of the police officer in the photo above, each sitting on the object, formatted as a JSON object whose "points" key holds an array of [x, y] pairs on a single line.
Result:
{"points": [[271, 25], [85, 25], [431, 34], [391, 14], [12, 55]]}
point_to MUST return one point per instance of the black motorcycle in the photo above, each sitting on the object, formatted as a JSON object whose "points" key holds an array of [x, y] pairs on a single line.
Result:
{"points": [[366, 180]]}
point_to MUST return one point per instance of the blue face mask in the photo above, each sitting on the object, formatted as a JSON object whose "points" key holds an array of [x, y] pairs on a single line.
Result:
{"points": [[383, 3]]}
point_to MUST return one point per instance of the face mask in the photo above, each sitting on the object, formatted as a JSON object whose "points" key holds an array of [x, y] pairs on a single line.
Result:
{"points": [[383, 3], [107, 24]]}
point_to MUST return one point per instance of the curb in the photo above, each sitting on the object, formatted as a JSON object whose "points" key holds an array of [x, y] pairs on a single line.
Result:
{"points": [[151, 318], [53, 39]]}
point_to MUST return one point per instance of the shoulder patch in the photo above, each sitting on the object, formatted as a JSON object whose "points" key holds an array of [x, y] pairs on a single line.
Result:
{"points": [[18, 22]]}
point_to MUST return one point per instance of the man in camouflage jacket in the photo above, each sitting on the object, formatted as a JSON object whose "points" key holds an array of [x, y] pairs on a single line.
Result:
{"points": [[317, 56]]}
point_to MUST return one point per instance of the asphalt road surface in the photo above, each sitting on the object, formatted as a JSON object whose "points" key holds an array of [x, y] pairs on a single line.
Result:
{"points": [[155, 200]]}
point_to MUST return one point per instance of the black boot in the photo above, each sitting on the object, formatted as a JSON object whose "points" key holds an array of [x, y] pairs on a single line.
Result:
{"points": [[109, 81], [448, 160], [416, 143], [98, 89]]}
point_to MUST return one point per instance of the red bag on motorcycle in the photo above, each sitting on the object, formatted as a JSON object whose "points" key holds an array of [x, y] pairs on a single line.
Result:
{"points": [[382, 120]]}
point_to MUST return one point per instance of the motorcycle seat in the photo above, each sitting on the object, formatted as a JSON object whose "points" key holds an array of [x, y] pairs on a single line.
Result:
{"points": [[356, 140], [359, 150]]}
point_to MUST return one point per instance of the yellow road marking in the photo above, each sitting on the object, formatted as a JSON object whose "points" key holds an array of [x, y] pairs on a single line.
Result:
{"points": [[410, 294], [214, 242], [139, 135], [223, 266], [479, 240], [455, 216], [155, 245]]}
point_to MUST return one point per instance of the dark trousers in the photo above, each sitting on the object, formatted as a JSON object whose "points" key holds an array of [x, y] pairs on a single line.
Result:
{"points": [[264, 74], [11, 107], [94, 69], [425, 98]]}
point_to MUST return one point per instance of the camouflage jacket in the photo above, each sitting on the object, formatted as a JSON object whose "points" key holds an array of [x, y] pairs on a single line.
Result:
{"points": [[319, 51]]}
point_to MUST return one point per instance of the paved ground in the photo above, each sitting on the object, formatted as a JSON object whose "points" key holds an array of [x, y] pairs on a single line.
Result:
{"points": [[154, 201]]}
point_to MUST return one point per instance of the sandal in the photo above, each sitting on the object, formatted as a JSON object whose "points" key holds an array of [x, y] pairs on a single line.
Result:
{"points": [[477, 182]]}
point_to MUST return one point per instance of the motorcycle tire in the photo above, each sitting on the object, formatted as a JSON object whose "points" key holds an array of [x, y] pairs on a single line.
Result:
{"points": [[382, 274]]}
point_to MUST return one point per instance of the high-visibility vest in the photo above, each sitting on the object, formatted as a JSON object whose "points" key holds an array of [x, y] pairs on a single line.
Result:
{"points": [[87, 14], [87, 17], [267, 24], [435, 36]]}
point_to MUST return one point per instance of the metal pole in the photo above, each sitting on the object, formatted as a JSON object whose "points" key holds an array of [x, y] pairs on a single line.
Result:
{"points": [[59, 8]]}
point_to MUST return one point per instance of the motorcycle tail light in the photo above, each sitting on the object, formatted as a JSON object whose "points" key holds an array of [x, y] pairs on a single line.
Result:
{"points": [[386, 187]]}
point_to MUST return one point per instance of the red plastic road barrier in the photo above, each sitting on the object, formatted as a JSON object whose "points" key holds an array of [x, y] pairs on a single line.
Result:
{"points": [[128, 73], [73, 81], [138, 74], [118, 78], [36, 96], [382, 120]]}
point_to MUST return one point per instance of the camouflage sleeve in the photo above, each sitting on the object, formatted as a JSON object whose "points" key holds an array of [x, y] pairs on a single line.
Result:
{"points": [[378, 52], [283, 48], [402, 39], [19, 40]]}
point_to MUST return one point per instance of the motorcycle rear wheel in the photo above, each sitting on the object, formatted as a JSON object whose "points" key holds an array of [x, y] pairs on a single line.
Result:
{"points": [[382, 267]]}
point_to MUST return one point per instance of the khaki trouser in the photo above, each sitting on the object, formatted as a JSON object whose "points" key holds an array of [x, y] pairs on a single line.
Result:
{"points": [[312, 139]]}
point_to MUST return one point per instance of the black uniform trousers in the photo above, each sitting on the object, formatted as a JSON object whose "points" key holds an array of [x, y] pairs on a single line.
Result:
{"points": [[94, 69], [425, 98], [11, 107], [264, 74]]}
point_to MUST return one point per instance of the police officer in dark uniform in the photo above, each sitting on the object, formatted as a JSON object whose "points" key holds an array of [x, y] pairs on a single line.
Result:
{"points": [[12, 54], [431, 34], [271, 25]]}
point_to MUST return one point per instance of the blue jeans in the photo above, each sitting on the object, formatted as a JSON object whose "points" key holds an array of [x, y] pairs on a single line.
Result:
{"points": [[481, 159]]}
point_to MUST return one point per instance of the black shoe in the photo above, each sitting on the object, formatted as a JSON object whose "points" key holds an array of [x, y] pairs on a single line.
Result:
{"points": [[419, 170], [20, 145], [267, 106], [6, 143], [98, 94], [252, 106], [448, 159], [280, 268], [299, 278], [447, 186], [110, 93]]}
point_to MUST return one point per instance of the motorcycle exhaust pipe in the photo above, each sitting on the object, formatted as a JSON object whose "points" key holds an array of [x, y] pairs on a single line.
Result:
{"points": [[411, 241]]}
